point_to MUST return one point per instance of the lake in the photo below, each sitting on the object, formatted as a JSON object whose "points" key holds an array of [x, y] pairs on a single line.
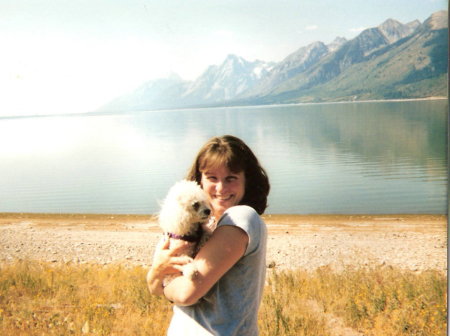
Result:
{"points": [[351, 158]]}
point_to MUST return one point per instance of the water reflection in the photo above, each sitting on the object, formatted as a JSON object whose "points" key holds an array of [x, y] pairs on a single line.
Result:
{"points": [[327, 158]]}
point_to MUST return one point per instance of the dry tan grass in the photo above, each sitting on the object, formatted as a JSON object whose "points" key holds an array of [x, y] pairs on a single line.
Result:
{"points": [[41, 298], [377, 301]]}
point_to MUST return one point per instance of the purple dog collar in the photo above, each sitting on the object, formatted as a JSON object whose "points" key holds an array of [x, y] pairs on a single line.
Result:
{"points": [[193, 238]]}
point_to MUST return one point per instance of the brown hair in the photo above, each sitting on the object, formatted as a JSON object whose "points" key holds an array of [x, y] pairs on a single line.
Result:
{"points": [[237, 156]]}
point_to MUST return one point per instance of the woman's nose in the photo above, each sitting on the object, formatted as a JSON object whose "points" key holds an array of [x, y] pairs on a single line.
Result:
{"points": [[219, 186]]}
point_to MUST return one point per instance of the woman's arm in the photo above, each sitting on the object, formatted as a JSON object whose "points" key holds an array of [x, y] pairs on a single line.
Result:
{"points": [[165, 262], [225, 247]]}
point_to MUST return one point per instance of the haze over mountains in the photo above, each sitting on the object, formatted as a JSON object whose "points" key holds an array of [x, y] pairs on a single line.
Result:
{"points": [[393, 60]]}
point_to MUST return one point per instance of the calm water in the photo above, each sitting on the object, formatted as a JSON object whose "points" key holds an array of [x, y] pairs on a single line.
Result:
{"points": [[386, 157]]}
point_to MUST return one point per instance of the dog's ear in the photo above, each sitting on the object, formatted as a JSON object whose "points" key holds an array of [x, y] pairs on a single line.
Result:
{"points": [[196, 205]]}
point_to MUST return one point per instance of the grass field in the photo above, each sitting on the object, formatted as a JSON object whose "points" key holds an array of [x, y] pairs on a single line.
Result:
{"points": [[48, 299]]}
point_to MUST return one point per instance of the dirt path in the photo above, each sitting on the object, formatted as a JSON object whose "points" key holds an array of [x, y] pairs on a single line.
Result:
{"points": [[332, 321]]}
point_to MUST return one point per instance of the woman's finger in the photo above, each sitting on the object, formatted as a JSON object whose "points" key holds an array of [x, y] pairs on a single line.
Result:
{"points": [[179, 268], [183, 260], [163, 244], [162, 252]]}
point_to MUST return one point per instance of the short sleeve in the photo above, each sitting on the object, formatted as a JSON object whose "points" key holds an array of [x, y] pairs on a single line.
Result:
{"points": [[247, 219]]}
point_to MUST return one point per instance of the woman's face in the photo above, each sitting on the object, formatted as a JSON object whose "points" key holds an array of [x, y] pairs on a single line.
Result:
{"points": [[223, 187]]}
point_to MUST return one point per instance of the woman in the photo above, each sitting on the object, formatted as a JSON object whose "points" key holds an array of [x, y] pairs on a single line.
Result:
{"points": [[224, 298]]}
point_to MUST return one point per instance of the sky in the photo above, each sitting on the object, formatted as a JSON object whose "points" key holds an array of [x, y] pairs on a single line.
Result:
{"points": [[73, 56]]}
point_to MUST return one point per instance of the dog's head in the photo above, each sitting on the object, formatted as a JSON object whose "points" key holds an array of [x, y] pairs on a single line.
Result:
{"points": [[185, 207]]}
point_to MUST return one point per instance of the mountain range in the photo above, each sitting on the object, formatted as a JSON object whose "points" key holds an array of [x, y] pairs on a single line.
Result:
{"points": [[391, 61]]}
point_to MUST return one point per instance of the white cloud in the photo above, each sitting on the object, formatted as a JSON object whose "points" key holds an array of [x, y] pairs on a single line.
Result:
{"points": [[312, 27]]}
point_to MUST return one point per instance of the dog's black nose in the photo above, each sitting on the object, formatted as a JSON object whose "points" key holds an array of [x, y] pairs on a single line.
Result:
{"points": [[207, 212]]}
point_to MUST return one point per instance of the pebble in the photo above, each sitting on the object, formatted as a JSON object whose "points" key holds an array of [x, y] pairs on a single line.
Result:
{"points": [[309, 251]]}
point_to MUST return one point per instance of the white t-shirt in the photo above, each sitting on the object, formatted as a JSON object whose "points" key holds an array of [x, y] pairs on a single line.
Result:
{"points": [[231, 306]]}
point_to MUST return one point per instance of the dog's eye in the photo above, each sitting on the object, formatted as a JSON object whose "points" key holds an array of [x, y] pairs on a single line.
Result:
{"points": [[196, 205]]}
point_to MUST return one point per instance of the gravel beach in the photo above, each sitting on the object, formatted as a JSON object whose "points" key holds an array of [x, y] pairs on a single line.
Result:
{"points": [[414, 242]]}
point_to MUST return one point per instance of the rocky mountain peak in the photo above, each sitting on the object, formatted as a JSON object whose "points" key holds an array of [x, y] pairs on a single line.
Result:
{"points": [[438, 20], [413, 25], [233, 60], [227, 80], [336, 44], [315, 72], [304, 54], [394, 30]]}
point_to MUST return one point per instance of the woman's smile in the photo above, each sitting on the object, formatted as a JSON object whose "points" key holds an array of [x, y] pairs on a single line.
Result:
{"points": [[223, 187]]}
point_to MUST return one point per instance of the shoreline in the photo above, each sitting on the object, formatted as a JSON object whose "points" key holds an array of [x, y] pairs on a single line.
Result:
{"points": [[275, 222], [308, 242], [93, 113]]}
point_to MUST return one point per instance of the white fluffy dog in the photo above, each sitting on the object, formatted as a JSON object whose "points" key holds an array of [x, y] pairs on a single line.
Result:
{"points": [[184, 217]]}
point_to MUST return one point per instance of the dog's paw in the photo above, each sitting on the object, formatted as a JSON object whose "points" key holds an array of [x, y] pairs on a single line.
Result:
{"points": [[190, 270]]}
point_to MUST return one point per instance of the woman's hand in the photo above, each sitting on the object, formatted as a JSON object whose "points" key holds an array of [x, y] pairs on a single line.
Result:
{"points": [[168, 261], [165, 262]]}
